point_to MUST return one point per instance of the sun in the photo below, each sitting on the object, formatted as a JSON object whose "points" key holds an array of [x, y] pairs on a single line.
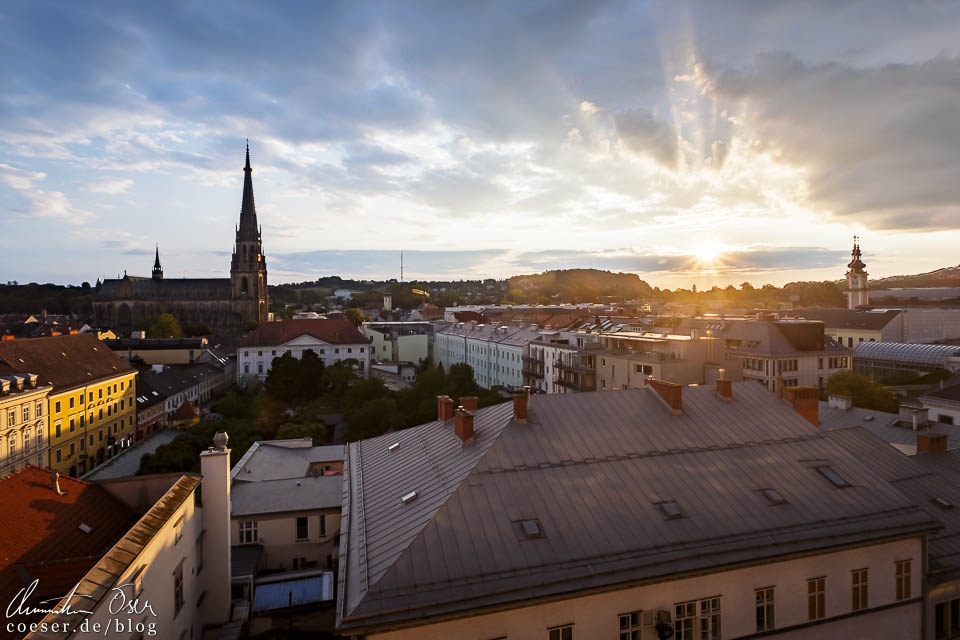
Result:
{"points": [[707, 254]]}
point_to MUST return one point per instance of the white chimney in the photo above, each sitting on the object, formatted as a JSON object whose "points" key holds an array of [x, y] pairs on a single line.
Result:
{"points": [[215, 495], [844, 403], [55, 483]]}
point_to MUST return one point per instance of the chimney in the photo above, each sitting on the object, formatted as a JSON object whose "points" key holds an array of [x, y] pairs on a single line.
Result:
{"points": [[215, 518], [470, 403], [55, 482], [931, 442], [521, 407], [920, 418], [805, 401], [444, 408], [463, 425], [724, 386], [7, 337], [671, 393]]}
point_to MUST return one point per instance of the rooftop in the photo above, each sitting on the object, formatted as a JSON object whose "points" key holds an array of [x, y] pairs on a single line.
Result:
{"points": [[127, 463], [64, 362], [278, 459], [850, 318], [177, 377], [287, 495], [329, 330], [460, 543], [929, 354]]}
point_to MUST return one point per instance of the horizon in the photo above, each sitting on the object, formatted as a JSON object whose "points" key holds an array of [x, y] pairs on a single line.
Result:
{"points": [[691, 144]]}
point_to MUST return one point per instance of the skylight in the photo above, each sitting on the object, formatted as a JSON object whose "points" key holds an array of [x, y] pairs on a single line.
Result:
{"points": [[410, 497], [942, 503], [394, 446], [773, 497], [835, 478], [531, 528], [670, 510]]}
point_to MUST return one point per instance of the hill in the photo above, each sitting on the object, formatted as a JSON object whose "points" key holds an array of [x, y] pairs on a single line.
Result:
{"points": [[945, 277], [576, 285]]}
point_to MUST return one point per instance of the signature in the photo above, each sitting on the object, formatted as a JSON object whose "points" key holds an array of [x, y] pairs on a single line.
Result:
{"points": [[120, 602]]}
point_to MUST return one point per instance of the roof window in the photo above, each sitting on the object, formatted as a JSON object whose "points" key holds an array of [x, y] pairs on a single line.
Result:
{"points": [[835, 478], [531, 528], [670, 510], [773, 497], [942, 503], [394, 446], [410, 497]]}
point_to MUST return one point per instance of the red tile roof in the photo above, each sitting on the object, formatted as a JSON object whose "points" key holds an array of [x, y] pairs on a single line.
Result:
{"points": [[63, 361], [471, 316], [330, 330], [40, 531]]}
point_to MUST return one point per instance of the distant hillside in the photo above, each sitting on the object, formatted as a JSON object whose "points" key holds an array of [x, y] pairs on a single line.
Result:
{"points": [[576, 285], [946, 277]]}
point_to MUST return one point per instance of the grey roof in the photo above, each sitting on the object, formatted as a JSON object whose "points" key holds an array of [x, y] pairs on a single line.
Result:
{"points": [[921, 479], [178, 377], [850, 318], [139, 288], [778, 338], [284, 496], [883, 425], [128, 462], [265, 460], [244, 559], [592, 469], [930, 354], [950, 392]]}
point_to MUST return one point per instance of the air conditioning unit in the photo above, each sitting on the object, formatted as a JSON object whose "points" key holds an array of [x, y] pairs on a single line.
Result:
{"points": [[660, 622]]}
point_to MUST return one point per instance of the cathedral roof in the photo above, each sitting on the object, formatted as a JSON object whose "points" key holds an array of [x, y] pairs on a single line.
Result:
{"points": [[136, 288], [248, 211]]}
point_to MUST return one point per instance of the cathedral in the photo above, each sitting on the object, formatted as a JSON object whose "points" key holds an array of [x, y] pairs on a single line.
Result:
{"points": [[223, 304]]}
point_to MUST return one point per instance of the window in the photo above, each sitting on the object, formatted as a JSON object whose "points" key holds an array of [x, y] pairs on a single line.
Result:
{"points": [[70, 402], [630, 625], [835, 478], [73, 425], [323, 525], [764, 599], [248, 533], [816, 598], [685, 615], [199, 546], [178, 589], [710, 619], [903, 580], [59, 455], [39, 410], [26, 413], [100, 393], [178, 530], [302, 529], [12, 446], [560, 633], [11, 417], [259, 367], [56, 407], [57, 429], [858, 589], [73, 449]]}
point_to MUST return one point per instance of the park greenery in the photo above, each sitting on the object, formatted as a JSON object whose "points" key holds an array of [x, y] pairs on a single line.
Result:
{"points": [[296, 397], [863, 392]]}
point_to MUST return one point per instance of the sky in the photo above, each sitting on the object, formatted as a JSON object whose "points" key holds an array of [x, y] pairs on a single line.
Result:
{"points": [[701, 143]]}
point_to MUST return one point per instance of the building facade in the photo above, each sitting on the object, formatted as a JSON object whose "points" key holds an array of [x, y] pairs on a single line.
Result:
{"points": [[332, 340], [24, 432], [221, 303], [91, 408]]}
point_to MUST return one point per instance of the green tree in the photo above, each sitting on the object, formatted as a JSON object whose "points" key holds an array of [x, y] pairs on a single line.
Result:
{"points": [[339, 376], [312, 384], [864, 393], [355, 316], [364, 391], [290, 430], [371, 420], [163, 325], [250, 325], [285, 378]]}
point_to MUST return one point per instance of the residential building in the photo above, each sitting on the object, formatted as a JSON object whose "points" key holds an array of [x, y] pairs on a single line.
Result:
{"points": [[331, 339], [780, 353], [158, 350], [553, 363], [399, 341], [91, 412], [880, 360], [197, 384], [24, 432], [943, 405], [220, 303], [151, 409], [908, 324], [396, 375], [494, 352], [857, 295], [688, 509]]}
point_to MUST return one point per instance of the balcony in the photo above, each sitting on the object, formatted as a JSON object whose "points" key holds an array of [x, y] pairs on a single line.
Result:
{"points": [[572, 385], [531, 373], [532, 360], [575, 367]]}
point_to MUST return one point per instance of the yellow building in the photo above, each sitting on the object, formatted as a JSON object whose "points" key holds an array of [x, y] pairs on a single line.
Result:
{"points": [[91, 409], [23, 420]]}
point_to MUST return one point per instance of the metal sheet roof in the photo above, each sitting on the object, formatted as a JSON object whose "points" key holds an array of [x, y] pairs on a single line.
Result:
{"points": [[286, 495], [930, 354], [592, 468], [266, 460]]}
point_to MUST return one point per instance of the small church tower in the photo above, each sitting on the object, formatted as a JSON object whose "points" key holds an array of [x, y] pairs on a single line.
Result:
{"points": [[248, 270], [157, 269], [856, 279]]}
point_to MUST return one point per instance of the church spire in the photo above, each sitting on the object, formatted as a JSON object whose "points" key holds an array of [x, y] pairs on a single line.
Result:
{"points": [[856, 263], [248, 211], [157, 269]]}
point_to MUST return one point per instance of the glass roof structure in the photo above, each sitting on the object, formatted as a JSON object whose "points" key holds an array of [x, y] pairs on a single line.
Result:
{"points": [[931, 354]]}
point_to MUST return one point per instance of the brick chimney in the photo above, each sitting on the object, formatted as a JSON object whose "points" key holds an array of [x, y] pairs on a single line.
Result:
{"points": [[724, 386], [463, 425], [470, 403], [928, 442], [7, 337], [444, 408], [521, 406], [671, 393], [805, 401]]}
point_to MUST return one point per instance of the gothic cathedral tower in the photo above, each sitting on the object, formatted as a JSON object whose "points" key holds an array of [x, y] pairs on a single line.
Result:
{"points": [[248, 270], [857, 294]]}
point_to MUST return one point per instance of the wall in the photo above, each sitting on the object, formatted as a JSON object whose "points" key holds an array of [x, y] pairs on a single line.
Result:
{"points": [[413, 348], [942, 410], [596, 616], [278, 535], [24, 434]]}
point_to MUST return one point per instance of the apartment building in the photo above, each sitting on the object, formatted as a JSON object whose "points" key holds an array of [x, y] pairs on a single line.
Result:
{"points": [[494, 352], [561, 362], [514, 526], [398, 341], [91, 408], [332, 340], [197, 384], [23, 421], [782, 353]]}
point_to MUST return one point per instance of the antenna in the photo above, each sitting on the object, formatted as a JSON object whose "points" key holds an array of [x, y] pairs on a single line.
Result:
{"points": [[401, 265]]}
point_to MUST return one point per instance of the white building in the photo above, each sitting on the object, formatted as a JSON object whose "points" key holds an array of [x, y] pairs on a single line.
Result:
{"points": [[332, 340], [398, 341], [495, 352]]}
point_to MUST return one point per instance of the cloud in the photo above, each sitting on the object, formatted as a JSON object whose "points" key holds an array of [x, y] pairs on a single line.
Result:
{"points": [[112, 187], [33, 201], [643, 133]]}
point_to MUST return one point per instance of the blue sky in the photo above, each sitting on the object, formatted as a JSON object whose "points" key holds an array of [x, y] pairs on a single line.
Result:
{"points": [[689, 142]]}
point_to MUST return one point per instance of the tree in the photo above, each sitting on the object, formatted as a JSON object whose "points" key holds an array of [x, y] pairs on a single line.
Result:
{"points": [[312, 385], [285, 378], [460, 381], [339, 376], [194, 329], [251, 325], [291, 430], [372, 420], [162, 326], [355, 316], [864, 393]]}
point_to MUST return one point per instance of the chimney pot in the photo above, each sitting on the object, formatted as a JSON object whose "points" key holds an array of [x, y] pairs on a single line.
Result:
{"points": [[724, 387], [55, 483], [805, 401], [444, 408], [463, 425], [671, 393]]}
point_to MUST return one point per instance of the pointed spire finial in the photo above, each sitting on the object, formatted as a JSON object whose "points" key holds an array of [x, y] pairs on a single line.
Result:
{"points": [[247, 166]]}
